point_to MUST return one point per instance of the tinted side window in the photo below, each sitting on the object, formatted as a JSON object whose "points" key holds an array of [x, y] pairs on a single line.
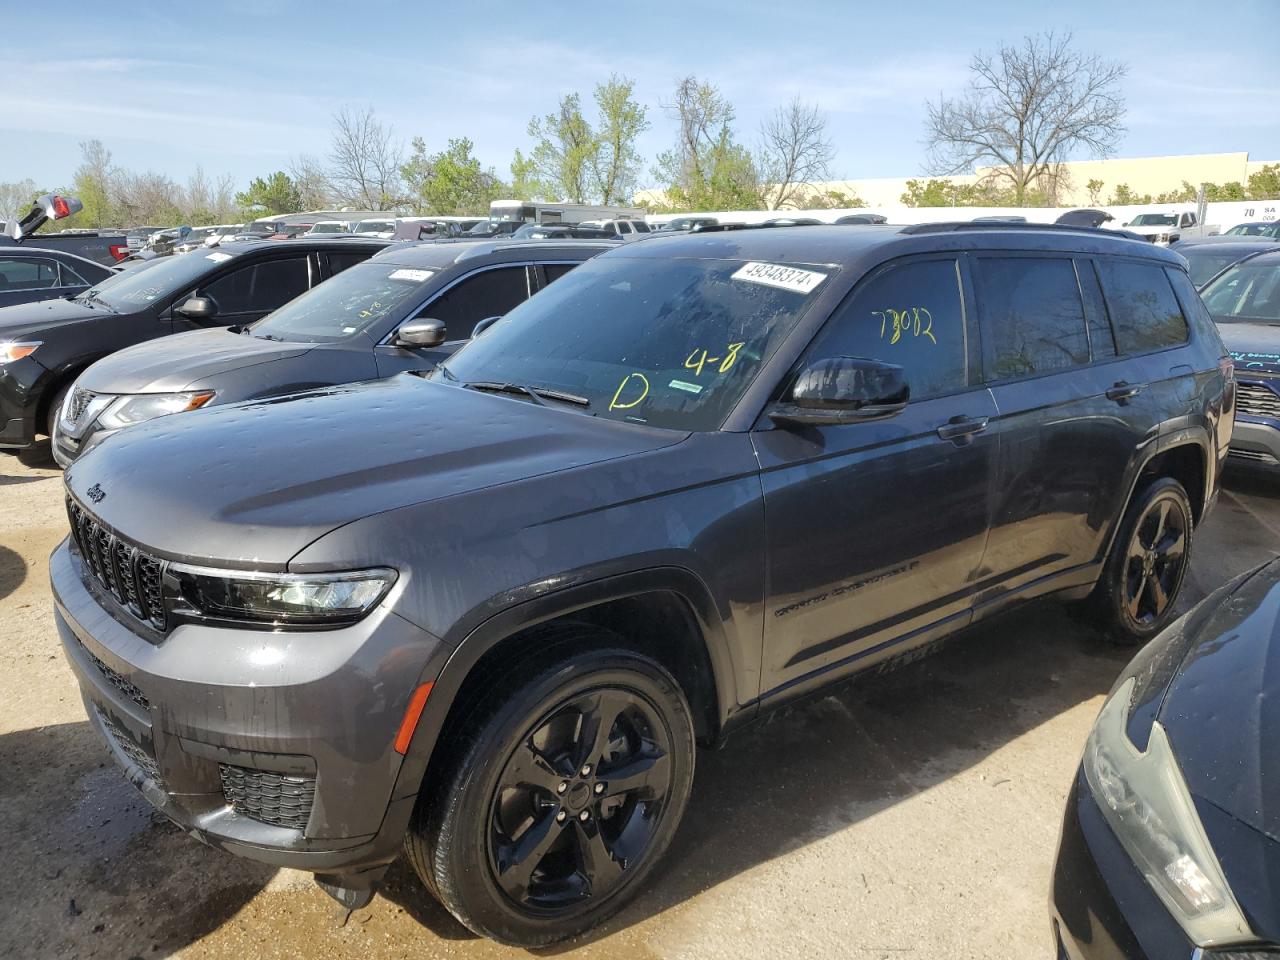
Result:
{"points": [[1192, 306], [490, 293], [910, 315], [340, 261], [260, 287], [554, 271], [1101, 337], [1144, 311], [1031, 315], [72, 279], [27, 274]]}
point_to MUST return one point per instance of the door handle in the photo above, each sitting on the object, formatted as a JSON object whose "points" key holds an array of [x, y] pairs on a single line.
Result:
{"points": [[1123, 392], [961, 429]]}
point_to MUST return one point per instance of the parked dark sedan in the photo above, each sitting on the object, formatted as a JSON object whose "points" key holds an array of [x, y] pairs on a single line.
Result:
{"points": [[405, 309], [28, 274], [1171, 841], [1208, 257], [48, 344]]}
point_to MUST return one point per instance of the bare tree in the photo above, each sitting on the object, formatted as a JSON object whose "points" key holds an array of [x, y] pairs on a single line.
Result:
{"points": [[15, 198], [365, 160], [706, 170], [224, 203], [1026, 108], [197, 198], [313, 185], [795, 153]]}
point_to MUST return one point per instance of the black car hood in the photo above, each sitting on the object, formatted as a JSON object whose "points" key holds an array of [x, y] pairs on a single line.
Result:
{"points": [[1222, 710], [254, 483], [32, 319], [1254, 346], [167, 364]]}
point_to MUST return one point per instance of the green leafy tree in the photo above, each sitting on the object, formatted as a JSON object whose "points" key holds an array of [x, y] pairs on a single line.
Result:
{"points": [[707, 169], [274, 195], [564, 152], [819, 199], [451, 182], [1123, 195], [616, 161], [1095, 191], [1265, 184], [525, 182]]}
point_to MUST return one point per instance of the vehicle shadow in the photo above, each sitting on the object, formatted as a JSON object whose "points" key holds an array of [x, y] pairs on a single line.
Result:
{"points": [[90, 868], [13, 571]]}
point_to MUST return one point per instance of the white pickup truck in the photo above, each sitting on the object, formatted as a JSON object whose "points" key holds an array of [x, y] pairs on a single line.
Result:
{"points": [[1167, 228]]}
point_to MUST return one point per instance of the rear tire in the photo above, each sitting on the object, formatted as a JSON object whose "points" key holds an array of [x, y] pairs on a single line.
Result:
{"points": [[560, 794], [1136, 596]]}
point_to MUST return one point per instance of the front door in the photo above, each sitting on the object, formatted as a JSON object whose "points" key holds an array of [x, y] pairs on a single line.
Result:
{"points": [[249, 291], [876, 530]]}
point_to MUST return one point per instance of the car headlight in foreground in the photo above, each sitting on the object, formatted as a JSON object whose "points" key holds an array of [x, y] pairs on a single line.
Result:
{"points": [[310, 599], [126, 411], [1144, 799]]}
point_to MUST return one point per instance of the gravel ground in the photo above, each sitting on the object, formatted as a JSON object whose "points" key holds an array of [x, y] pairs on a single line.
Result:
{"points": [[911, 815]]}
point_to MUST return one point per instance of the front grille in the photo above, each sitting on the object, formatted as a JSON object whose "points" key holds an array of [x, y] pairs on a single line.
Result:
{"points": [[1257, 400], [134, 578], [126, 744], [120, 682], [77, 405], [280, 799]]}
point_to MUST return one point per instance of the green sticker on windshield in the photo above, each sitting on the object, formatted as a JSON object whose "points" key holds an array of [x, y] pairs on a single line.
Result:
{"points": [[686, 387]]}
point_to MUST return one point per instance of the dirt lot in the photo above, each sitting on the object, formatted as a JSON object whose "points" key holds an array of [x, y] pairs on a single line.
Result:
{"points": [[914, 815]]}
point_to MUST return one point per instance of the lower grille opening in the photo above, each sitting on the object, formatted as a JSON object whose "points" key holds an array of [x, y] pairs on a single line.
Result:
{"points": [[131, 749], [1255, 456], [120, 682], [280, 799]]}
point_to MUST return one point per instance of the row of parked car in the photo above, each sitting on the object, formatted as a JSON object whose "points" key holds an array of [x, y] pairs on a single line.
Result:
{"points": [[461, 548]]}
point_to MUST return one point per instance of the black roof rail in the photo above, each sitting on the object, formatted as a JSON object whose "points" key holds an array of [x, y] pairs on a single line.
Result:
{"points": [[952, 226]]}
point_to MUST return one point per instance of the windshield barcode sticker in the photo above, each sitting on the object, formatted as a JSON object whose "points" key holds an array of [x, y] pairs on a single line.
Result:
{"points": [[685, 386], [782, 277], [218, 257], [417, 276]]}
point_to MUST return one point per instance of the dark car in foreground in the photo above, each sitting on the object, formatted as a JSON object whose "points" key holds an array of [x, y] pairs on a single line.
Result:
{"points": [[44, 346], [1170, 847], [29, 274], [487, 613], [405, 308], [1244, 301]]}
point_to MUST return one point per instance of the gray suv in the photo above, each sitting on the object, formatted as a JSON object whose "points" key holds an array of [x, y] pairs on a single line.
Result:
{"points": [[405, 308], [484, 615]]}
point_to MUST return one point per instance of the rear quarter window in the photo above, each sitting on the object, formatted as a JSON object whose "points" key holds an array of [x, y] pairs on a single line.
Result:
{"points": [[1144, 311]]}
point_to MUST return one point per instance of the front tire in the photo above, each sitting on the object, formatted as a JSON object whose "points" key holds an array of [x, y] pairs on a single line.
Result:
{"points": [[1136, 596], [562, 794]]}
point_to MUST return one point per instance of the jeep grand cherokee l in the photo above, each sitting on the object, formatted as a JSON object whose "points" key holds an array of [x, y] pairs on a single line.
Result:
{"points": [[403, 309], [485, 614]]}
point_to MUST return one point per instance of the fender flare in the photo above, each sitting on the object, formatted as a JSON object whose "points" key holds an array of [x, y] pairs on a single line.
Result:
{"points": [[1197, 437], [462, 658]]}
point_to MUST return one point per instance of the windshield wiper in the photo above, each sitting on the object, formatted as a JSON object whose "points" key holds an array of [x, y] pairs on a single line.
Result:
{"points": [[91, 296], [539, 395]]}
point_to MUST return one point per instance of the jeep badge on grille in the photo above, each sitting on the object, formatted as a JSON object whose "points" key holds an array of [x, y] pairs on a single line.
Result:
{"points": [[96, 493]]}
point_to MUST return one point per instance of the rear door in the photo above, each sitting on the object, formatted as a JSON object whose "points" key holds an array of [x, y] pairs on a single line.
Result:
{"points": [[876, 530], [487, 292], [1067, 431]]}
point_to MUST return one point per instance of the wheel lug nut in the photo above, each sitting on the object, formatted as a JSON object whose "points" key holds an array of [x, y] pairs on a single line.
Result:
{"points": [[586, 770], [562, 788], [599, 788], [561, 817], [583, 816]]}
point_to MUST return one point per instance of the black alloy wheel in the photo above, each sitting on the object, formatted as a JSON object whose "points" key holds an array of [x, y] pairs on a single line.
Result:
{"points": [[562, 787], [580, 800]]}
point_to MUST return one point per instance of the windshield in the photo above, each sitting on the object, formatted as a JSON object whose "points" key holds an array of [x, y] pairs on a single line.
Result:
{"points": [[133, 289], [374, 226], [1204, 265], [1248, 293], [333, 227], [1247, 230], [351, 303], [670, 343], [1154, 220]]}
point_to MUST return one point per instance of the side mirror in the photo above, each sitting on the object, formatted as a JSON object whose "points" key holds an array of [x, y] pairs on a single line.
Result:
{"points": [[198, 308], [421, 333], [844, 390], [484, 325], [46, 208]]}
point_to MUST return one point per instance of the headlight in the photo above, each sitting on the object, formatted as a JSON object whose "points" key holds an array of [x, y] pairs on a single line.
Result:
{"points": [[11, 351], [1144, 798], [127, 411], [319, 599]]}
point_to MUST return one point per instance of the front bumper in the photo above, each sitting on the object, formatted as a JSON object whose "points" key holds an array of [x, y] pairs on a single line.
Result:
{"points": [[273, 746], [1102, 908], [67, 449], [1256, 439]]}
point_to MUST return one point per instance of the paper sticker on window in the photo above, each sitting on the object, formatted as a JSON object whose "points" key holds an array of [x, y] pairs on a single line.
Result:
{"points": [[782, 277], [417, 276], [218, 257]]}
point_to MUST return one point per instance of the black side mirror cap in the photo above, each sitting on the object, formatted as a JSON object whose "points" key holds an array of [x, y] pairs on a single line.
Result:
{"points": [[198, 308], [844, 390]]}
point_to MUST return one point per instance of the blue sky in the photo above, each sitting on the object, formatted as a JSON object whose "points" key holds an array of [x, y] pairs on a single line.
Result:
{"points": [[241, 87]]}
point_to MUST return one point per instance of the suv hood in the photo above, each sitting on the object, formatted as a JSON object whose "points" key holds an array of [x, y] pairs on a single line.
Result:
{"points": [[31, 319], [167, 364], [1222, 710], [251, 484], [1253, 346]]}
